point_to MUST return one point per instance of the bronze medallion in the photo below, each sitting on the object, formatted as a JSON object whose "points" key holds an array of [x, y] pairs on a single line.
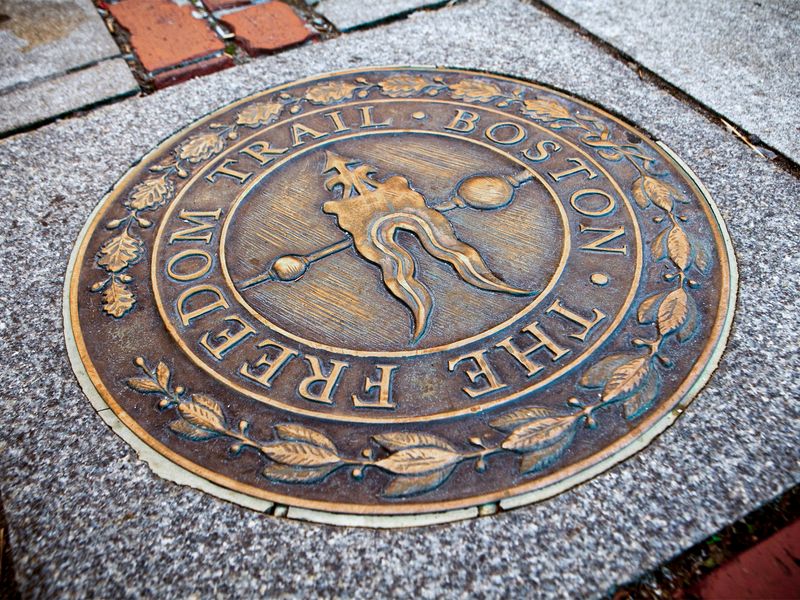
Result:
{"points": [[398, 291]]}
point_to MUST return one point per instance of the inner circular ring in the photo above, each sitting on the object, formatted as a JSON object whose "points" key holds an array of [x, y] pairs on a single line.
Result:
{"points": [[482, 406], [565, 250]]}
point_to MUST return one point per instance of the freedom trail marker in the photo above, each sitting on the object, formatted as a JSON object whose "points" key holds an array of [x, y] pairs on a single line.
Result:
{"points": [[400, 291]]}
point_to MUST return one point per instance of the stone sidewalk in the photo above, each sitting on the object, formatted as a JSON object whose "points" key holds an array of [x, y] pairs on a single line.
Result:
{"points": [[87, 517]]}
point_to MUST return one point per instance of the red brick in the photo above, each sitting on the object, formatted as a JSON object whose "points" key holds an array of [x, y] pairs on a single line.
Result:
{"points": [[267, 27], [164, 34], [222, 4], [769, 569], [204, 67]]}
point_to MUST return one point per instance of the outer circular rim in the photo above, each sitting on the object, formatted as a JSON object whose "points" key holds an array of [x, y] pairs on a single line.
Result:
{"points": [[168, 464]]}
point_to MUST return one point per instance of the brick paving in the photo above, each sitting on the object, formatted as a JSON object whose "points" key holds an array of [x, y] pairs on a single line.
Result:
{"points": [[269, 27], [770, 569], [165, 35]]}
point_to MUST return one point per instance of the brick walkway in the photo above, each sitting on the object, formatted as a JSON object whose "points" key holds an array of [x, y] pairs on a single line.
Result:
{"points": [[60, 59]]}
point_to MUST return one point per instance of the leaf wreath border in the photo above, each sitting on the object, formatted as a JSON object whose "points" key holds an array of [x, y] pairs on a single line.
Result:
{"points": [[421, 462]]}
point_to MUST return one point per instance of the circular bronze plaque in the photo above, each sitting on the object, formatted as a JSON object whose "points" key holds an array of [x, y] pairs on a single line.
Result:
{"points": [[399, 291]]}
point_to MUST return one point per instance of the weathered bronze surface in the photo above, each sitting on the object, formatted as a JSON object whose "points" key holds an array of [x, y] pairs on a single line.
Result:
{"points": [[401, 290]]}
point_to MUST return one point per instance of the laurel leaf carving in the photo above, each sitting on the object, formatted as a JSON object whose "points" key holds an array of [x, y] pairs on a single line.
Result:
{"points": [[690, 324], [150, 193], [680, 250], [143, 384], [599, 373], [648, 309], [702, 260], [539, 434], [658, 248], [298, 433], [659, 192], [637, 189], [511, 420], [119, 252], [210, 404], [541, 459], [642, 400], [191, 432], [289, 474], [401, 440], [117, 299], [673, 311], [418, 460], [162, 375], [300, 454], [409, 485], [199, 415], [626, 379]]}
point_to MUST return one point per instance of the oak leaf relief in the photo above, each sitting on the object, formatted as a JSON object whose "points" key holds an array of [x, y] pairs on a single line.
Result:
{"points": [[201, 147], [403, 86], [259, 114], [330, 92], [474, 90], [117, 299], [119, 252], [150, 194], [546, 110]]}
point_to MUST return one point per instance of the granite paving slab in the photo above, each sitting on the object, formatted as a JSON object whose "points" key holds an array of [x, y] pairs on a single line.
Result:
{"points": [[739, 57], [53, 97], [347, 14], [87, 517], [42, 38]]}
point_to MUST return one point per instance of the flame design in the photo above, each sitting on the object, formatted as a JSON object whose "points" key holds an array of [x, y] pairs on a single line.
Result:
{"points": [[438, 238], [373, 212]]}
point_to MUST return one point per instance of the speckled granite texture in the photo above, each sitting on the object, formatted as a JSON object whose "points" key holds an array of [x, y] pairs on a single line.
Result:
{"points": [[739, 57], [44, 38], [87, 518], [53, 97], [347, 14]]}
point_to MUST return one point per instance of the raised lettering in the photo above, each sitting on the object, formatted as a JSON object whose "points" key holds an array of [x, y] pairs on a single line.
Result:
{"points": [[577, 197], [598, 244], [366, 118], [336, 118], [542, 152], [464, 121], [483, 370], [226, 340], [262, 152], [195, 234], [558, 308], [299, 130], [518, 134], [186, 275], [384, 385], [273, 364], [187, 317], [318, 379], [542, 341], [227, 172], [581, 167]]}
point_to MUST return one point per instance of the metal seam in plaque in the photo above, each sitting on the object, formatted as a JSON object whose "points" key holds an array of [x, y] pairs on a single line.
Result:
{"points": [[399, 291]]}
